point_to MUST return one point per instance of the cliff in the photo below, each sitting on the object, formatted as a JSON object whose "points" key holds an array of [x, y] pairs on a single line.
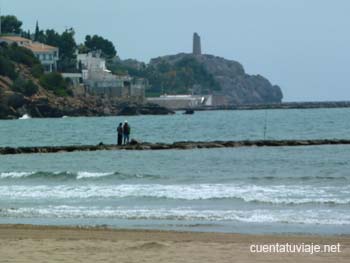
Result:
{"points": [[224, 78]]}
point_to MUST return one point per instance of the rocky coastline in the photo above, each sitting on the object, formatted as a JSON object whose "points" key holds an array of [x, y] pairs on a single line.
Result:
{"points": [[143, 146], [16, 105]]}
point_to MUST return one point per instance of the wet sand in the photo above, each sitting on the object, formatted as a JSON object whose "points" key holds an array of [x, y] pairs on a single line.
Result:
{"points": [[62, 244]]}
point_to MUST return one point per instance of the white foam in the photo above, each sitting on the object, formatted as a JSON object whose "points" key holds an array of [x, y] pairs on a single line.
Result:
{"points": [[15, 174], [25, 117], [83, 175], [286, 216], [247, 193]]}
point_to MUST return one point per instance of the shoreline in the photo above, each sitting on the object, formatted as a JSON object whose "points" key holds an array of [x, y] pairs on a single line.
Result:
{"points": [[163, 111], [101, 229], [29, 243]]}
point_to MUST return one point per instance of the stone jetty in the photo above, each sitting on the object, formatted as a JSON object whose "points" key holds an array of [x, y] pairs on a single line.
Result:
{"points": [[188, 145]]}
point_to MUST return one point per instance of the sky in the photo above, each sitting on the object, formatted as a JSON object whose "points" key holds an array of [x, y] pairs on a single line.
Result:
{"points": [[301, 45]]}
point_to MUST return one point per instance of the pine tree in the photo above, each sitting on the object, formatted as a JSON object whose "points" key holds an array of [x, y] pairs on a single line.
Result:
{"points": [[37, 32]]}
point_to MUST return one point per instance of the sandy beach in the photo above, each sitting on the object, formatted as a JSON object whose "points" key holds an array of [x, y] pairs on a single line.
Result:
{"points": [[19, 243]]}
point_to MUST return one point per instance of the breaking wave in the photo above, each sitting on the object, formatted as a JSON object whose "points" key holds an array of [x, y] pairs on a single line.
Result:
{"points": [[278, 194], [81, 175], [287, 216], [73, 175]]}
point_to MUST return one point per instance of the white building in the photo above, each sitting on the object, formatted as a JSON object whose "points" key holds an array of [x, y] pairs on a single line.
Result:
{"points": [[100, 81], [182, 101], [48, 55]]}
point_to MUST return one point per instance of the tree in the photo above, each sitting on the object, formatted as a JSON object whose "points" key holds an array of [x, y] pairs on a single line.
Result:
{"points": [[99, 43], [37, 32], [52, 38], [11, 25], [67, 46]]}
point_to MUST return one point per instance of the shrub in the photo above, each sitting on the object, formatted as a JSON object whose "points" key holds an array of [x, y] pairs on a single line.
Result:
{"points": [[28, 88], [37, 70], [7, 68], [22, 55], [56, 83]]}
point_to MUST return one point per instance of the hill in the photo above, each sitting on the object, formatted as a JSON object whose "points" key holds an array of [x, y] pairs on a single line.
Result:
{"points": [[26, 89], [207, 74]]}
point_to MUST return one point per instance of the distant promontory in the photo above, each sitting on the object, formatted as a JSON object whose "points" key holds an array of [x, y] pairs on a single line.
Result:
{"points": [[225, 79]]}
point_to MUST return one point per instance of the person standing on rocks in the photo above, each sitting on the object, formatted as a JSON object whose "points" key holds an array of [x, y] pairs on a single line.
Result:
{"points": [[126, 132], [120, 134]]}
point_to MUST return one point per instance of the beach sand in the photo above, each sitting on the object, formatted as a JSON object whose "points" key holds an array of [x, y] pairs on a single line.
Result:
{"points": [[19, 243]]}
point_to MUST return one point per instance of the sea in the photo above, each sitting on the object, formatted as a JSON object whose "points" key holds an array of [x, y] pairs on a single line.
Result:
{"points": [[255, 190]]}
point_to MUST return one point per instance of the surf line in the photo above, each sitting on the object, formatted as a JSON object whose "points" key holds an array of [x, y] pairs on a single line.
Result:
{"points": [[185, 145]]}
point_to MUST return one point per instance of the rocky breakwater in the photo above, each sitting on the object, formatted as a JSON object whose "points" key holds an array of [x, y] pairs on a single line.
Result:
{"points": [[135, 145]]}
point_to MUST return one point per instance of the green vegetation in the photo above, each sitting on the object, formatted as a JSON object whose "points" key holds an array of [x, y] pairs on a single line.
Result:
{"points": [[26, 87], [11, 54], [10, 25], [56, 83], [99, 43], [183, 77], [22, 55], [7, 68], [66, 44]]}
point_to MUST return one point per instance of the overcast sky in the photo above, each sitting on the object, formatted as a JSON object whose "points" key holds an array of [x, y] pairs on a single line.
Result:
{"points": [[301, 45]]}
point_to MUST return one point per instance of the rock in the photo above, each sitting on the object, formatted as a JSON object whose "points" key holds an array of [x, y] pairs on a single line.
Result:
{"points": [[147, 109], [16, 100], [134, 142], [128, 111]]}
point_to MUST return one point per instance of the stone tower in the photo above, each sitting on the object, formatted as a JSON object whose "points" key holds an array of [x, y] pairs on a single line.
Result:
{"points": [[197, 50]]}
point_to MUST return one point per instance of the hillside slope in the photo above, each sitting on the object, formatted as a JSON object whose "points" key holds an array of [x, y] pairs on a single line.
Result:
{"points": [[25, 89]]}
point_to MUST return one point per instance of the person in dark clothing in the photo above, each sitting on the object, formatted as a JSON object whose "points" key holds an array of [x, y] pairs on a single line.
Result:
{"points": [[126, 132], [120, 134]]}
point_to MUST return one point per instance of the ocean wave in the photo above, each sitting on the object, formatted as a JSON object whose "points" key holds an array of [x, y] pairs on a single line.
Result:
{"points": [[88, 175], [25, 117], [286, 216], [298, 178], [281, 194], [15, 175], [82, 175]]}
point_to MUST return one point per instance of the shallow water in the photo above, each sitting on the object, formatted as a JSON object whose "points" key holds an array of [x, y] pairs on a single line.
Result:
{"points": [[247, 190], [203, 126]]}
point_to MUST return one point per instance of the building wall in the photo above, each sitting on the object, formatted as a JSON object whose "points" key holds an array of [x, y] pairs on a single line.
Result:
{"points": [[100, 81]]}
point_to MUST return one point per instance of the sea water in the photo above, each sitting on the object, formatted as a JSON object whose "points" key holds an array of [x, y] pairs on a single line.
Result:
{"points": [[246, 190]]}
